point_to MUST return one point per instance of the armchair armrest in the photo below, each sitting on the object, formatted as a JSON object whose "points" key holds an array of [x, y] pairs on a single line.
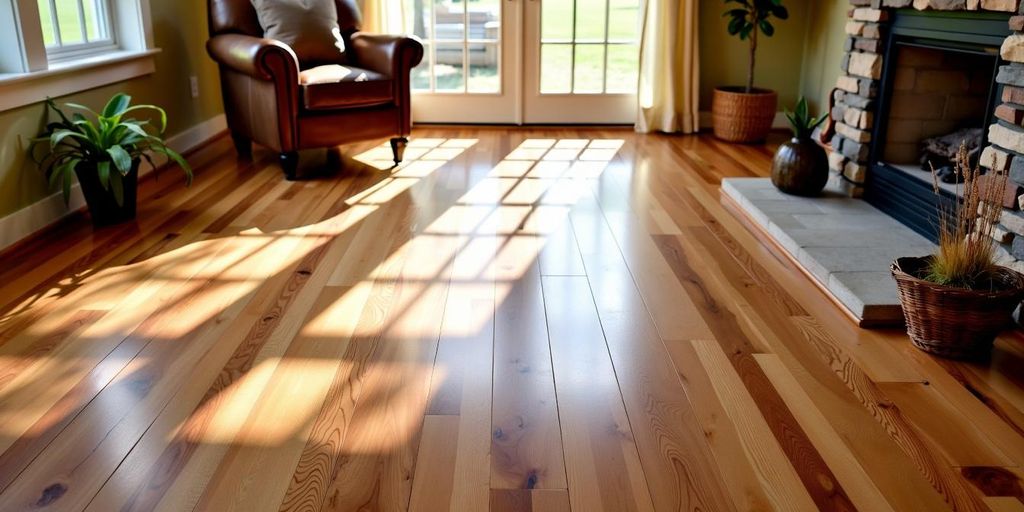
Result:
{"points": [[263, 59], [389, 55], [261, 88]]}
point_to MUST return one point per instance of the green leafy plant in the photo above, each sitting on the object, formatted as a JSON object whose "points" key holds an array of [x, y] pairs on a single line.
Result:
{"points": [[750, 18], [109, 143], [801, 121]]}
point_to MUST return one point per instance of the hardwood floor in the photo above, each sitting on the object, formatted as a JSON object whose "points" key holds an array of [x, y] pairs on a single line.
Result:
{"points": [[534, 320]]}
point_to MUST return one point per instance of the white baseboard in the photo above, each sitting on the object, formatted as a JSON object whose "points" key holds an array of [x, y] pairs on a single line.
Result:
{"points": [[780, 121], [41, 214]]}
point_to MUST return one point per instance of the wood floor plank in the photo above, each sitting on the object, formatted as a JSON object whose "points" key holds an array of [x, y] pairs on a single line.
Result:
{"points": [[863, 492], [738, 476], [262, 350], [962, 441], [35, 390], [975, 401], [249, 323], [462, 375], [673, 311], [676, 459], [601, 459], [780, 480], [506, 321], [173, 439], [434, 482], [560, 255], [526, 443], [254, 474], [461, 383], [725, 313], [529, 500], [375, 459], [1004, 504], [82, 456]]}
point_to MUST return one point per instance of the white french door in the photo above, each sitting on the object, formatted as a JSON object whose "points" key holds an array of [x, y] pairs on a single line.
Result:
{"points": [[468, 70], [525, 61], [582, 60]]}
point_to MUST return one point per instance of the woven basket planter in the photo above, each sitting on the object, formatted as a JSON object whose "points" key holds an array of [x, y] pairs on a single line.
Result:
{"points": [[953, 322], [739, 116]]}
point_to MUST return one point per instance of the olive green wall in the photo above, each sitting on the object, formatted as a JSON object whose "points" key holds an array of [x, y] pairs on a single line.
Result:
{"points": [[780, 59], [823, 50], [179, 28]]}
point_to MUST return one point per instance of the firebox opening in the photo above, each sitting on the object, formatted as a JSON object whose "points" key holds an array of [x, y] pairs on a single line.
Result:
{"points": [[940, 98]]}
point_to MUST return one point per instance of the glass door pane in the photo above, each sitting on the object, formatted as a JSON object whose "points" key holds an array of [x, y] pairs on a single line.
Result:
{"points": [[582, 60], [604, 51], [464, 60], [462, 34]]}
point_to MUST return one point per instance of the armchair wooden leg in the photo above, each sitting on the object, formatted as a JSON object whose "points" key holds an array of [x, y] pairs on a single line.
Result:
{"points": [[290, 164], [243, 145], [398, 145]]}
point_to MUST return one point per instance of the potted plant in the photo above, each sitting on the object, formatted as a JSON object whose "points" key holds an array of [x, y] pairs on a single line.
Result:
{"points": [[746, 113], [800, 166], [104, 151], [957, 300]]}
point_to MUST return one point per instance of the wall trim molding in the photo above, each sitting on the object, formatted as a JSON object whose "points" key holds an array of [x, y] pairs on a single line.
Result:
{"points": [[20, 89], [47, 211]]}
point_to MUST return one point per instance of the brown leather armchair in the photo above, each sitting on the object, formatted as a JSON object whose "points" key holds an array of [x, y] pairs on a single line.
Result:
{"points": [[273, 99]]}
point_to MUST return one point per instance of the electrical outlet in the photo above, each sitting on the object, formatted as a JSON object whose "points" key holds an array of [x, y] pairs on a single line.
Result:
{"points": [[194, 84]]}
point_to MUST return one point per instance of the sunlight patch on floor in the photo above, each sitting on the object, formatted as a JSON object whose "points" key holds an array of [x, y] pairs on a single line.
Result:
{"points": [[442, 150], [494, 233], [230, 410]]}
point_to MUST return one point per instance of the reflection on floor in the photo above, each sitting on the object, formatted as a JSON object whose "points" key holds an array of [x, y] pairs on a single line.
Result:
{"points": [[542, 319]]}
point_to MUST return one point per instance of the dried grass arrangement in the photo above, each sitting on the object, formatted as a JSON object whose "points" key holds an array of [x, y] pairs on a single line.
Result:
{"points": [[957, 300], [966, 254]]}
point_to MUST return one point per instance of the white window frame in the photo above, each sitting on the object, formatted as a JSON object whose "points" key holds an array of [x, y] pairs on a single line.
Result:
{"points": [[104, 17], [30, 72]]}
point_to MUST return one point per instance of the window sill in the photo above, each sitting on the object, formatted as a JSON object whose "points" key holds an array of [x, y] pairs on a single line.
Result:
{"points": [[62, 79]]}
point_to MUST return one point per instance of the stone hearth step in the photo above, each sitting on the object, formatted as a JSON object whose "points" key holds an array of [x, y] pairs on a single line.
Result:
{"points": [[844, 243]]}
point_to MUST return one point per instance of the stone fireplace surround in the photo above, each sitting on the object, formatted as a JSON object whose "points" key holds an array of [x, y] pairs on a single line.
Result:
{"points": [[857, 89]]}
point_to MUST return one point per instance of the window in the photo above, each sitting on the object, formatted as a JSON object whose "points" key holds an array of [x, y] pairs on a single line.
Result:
{"points": [[59, 47], [589, 46], [76, 27]]}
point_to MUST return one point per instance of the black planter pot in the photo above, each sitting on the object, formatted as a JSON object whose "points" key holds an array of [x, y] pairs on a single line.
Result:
{"points": [[103, 208], [800, 167]]}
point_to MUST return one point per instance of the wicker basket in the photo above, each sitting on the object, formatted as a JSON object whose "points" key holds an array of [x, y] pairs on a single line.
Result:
{"points": [[953, 322], [739, 116]]}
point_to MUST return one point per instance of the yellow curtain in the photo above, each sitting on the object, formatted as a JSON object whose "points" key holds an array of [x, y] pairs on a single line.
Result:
{"points": [[383, 16], [669, 67]]}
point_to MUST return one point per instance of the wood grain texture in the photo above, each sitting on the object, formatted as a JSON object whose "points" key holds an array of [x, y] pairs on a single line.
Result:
{"points": [[526, 441], [602, 463], [537, 319], [524, 500]]}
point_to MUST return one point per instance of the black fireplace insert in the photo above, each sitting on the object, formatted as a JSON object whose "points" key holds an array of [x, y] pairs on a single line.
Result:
{"points": [[901, 191]]}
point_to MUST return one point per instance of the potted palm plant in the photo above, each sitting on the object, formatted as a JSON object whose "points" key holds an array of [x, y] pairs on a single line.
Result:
{"points": [[104, 150], [800, 166], [745, 113], [956, 300]]}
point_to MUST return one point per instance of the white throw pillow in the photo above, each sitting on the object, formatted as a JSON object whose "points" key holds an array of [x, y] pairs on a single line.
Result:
{"points": [[309, 27]]}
